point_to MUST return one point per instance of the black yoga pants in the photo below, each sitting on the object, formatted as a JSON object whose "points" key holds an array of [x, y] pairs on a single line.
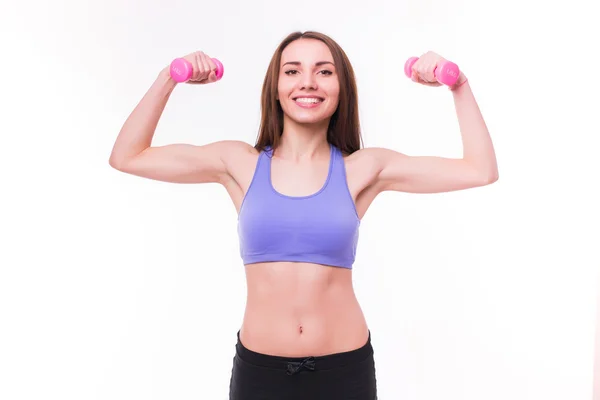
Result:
{"points": [[340, 376]]}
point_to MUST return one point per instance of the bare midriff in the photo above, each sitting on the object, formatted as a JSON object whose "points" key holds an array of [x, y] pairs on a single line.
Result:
{"points": [[301, 309]]}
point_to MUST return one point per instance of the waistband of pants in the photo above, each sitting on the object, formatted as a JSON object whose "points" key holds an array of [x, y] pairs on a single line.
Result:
{"points": [[323, 362]]}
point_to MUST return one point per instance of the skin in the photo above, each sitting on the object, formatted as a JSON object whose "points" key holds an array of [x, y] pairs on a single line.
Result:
{"points": [[300, 309]]}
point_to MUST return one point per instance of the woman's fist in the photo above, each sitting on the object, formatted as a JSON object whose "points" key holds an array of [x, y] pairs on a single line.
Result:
{"points": [[203, 67], [425, 70]]}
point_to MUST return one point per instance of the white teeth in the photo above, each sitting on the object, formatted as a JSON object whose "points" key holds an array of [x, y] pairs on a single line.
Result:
{"points": [[307, 100]]}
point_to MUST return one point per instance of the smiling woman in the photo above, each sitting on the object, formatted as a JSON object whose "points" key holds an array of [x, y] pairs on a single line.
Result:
{"points": [[301, 192], [310, 65], [309, 86]]}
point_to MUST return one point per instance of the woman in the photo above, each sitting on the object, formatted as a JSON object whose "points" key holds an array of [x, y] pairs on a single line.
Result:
{"points": [[300, 194]]}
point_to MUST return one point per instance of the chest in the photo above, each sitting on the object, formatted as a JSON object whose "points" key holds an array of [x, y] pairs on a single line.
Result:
{"points": [[306, 179], [295, 180], [299, 179]]}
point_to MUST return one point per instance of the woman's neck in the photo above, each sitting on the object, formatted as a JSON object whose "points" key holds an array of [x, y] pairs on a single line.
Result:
{"points": [[303, 141]]}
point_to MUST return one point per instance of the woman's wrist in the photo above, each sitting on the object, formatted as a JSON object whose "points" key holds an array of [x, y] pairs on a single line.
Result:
{"points": [[462, 79]]}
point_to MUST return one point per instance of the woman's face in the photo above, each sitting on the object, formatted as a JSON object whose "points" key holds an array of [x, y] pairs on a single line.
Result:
{"points": [[308, 87]]}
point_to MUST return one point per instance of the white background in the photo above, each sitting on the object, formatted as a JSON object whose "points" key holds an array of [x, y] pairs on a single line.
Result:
{"points": [[114, 287]]}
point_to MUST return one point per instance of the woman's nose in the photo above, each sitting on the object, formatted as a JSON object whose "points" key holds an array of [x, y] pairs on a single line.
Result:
{"points": [[308, 81]]}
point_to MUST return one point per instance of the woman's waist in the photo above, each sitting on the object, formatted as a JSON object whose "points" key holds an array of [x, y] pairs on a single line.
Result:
{"points": [[296, 328]]}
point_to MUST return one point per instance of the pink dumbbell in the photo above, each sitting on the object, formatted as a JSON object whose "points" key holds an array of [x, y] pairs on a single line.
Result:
{"points": [[446, 73], [181, 70]]}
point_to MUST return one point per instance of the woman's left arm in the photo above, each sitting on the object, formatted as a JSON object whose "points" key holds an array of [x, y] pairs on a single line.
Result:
{"points": [[430, 174]]}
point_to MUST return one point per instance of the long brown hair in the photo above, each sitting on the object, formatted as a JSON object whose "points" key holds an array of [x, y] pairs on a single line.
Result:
{"points": [[344, 126]]}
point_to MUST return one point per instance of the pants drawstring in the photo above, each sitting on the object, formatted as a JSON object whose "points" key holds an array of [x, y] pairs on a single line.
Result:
{"points": [[294, 367]]}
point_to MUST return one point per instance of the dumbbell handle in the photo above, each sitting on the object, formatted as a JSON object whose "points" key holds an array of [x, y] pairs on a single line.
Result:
{"points": [[181, 70], [446, 73]]}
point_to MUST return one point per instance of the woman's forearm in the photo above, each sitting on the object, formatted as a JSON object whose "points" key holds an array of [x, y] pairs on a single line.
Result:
{"points": [[138, 130], [478, 148]]}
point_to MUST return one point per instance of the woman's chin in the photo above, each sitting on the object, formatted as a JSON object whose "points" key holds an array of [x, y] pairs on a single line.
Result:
{"points": [[309, 118]]}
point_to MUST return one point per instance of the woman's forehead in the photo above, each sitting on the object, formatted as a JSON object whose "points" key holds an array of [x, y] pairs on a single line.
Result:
{"points": [[306, 51]]}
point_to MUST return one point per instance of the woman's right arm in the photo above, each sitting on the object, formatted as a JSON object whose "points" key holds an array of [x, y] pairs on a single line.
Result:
{"points": [[179, 163]]}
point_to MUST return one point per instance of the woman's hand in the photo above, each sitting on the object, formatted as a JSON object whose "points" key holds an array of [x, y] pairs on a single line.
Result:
{"points": [[204, 68], [423, 70]]}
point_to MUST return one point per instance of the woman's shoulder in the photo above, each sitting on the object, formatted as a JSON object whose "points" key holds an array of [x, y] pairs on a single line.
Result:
{"points": [[235, 152], [237, 148], [365, 164], [365, 156]]}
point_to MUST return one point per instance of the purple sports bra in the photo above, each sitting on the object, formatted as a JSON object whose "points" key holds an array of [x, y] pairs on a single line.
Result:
{"points": [[321, 228]]}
